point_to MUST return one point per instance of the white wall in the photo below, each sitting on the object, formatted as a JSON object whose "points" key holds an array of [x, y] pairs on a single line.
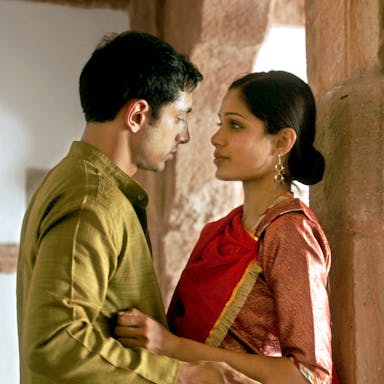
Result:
{"points": [[283, 49], [43, 48], [9, 363]]}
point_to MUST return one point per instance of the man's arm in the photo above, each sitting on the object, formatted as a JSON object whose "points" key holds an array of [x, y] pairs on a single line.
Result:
{"points": [[62, 339]]}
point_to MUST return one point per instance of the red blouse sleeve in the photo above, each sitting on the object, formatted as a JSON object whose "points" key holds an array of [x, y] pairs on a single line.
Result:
{"points": [[295, 257]]}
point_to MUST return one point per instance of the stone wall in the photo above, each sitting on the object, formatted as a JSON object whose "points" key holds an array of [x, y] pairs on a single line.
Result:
{"points": [[223, 42], [344, 46], [8, 258]]}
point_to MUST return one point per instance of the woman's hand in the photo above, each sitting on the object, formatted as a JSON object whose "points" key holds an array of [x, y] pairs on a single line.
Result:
{"points": [[136, 329]]}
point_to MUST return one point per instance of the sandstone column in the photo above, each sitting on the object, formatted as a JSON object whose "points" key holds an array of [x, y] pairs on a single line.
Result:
{"points": [[223, 39], [345, 69]]}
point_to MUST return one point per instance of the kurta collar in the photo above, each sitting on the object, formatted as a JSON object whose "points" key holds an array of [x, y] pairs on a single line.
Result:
{"points": [[131, 189]]}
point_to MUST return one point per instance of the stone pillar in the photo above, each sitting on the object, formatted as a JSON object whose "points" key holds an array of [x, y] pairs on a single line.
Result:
{"points": [[222, 41], [345, 62]]}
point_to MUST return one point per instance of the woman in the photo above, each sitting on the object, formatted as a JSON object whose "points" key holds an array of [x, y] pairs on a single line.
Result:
{"points": [[254, 291]]}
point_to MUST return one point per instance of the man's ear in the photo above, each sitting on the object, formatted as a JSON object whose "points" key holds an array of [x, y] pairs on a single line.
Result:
{"points": [[285, 140], [136, 112]]}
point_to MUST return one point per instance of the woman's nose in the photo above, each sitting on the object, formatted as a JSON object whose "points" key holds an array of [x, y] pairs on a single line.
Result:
{"points": [[216, 138]]}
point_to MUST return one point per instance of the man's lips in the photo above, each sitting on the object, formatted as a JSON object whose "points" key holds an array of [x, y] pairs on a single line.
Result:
{"points": [[172, 153]]}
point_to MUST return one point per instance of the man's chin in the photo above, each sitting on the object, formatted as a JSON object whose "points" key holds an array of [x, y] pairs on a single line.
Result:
{"points": [[154, 168]]}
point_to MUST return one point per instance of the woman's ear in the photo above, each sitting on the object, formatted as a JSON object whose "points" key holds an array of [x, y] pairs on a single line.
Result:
{"points": [[286, 139], [137, 111]]}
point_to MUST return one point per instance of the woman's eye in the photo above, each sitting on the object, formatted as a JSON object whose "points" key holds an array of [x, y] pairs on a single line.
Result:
{"points": [[234, 124], [219, 123]]}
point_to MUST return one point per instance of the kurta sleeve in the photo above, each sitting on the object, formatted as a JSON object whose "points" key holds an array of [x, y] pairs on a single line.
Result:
{"points": [[75, 260], [296, 261]]}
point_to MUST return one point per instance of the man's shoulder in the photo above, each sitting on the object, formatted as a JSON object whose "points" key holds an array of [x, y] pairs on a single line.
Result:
{"points": [[76, 184]]}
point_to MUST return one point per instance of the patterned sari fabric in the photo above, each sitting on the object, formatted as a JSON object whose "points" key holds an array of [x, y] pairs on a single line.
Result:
{"points": [[263, 293]]}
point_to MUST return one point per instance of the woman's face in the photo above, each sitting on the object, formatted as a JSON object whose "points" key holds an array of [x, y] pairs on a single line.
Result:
{"points": [[243, 149]]}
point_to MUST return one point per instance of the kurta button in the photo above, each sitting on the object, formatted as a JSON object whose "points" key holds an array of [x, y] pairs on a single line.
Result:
{"points": [[140, 196]]}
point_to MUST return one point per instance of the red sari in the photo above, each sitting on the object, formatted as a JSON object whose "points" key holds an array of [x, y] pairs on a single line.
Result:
{"points": [[263, 294]]}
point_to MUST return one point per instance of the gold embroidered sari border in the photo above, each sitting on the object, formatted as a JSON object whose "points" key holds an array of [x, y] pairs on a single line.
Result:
{"points": [[234, 304]]}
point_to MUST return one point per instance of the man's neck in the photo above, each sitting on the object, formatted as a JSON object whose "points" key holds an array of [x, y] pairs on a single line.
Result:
{"points": [[111, 139]]}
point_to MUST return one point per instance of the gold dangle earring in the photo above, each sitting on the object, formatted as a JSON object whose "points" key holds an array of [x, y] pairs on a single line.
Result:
{"points": [[279, 171]]}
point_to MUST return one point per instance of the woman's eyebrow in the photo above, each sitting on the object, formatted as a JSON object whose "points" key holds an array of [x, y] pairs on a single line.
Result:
{"points": [[234, 113]]}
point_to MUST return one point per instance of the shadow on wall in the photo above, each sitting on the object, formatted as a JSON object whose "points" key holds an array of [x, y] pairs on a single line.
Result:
{"points": [[9, 251], [34, 176]]}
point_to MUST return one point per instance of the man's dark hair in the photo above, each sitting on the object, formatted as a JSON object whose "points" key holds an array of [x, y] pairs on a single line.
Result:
{"points": [[133, 65]]}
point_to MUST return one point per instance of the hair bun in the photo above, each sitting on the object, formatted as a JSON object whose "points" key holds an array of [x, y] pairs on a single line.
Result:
{"points": [[308, 168]]}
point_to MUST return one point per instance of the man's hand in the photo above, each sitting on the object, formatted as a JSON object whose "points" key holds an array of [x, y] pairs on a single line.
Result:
{"points": [[207, 372]]}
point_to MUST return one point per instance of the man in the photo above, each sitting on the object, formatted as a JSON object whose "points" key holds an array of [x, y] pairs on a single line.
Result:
{"points": [[84, 252]]}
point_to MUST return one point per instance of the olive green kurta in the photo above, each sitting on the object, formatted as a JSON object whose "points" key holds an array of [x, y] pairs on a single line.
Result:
{"points": [[83, 257]]}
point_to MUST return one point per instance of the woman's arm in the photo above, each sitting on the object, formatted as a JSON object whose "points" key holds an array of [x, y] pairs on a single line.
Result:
{"points": [[295, 257], [137, 329]]}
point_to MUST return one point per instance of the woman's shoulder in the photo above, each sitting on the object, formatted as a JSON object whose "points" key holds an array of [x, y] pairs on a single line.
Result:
{"points": [[291, 229], [291, 212]]}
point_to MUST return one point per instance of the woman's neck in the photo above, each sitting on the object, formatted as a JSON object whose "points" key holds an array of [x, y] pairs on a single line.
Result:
{"points": [[257, 199]]}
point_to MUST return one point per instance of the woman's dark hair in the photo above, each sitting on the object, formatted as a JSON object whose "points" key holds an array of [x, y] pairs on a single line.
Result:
{"points": [[133, 65], [282, 100]]}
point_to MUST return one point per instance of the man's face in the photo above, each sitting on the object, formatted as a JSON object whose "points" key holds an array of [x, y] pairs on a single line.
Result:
{"points": [[159, 139]]}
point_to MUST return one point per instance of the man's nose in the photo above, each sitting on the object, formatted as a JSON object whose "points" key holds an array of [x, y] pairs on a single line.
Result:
{"points": [[183, 137]]}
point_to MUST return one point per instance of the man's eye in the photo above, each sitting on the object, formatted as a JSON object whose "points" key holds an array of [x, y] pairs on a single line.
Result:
{"points": [[182, 121]]}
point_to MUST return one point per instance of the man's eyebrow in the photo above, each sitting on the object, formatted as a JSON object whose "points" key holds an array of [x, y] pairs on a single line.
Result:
{"points": [[183, 108]]}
